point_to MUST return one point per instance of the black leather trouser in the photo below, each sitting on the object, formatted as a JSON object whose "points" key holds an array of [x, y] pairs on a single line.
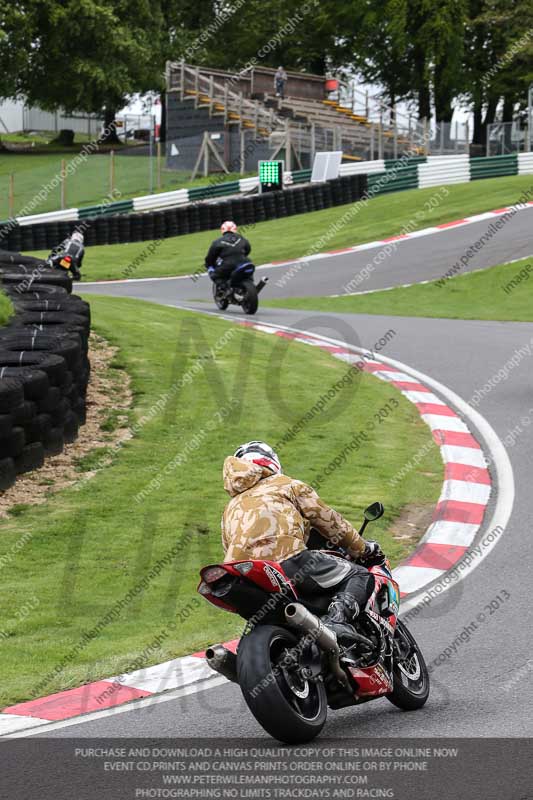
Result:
{"points": [[314, 572]]}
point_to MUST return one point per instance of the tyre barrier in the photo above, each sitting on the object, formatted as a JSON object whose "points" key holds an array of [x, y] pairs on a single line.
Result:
{"points": [[44, 366], [181, 220]]}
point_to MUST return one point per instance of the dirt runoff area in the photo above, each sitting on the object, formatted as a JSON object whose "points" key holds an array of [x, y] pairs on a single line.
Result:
{"points": [[105, 429]]}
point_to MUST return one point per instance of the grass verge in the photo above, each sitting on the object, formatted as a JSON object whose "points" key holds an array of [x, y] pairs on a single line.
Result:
{"points": [[6, 308], [292, 237], [67, 566], [503, 293]]}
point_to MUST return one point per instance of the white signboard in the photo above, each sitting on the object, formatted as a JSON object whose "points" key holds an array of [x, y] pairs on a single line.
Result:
{"points": [[326, 166]]}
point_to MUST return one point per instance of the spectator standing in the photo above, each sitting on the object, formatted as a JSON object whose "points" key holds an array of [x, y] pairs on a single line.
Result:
{"points": [[280, 79]]}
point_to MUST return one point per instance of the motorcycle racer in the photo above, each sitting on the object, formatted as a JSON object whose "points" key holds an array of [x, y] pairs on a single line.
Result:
{"points": [[270, 516], [72, 246], [227, 252]]}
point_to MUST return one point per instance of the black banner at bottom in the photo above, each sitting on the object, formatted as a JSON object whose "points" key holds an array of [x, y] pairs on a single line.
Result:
{"points": [[149, 769]]}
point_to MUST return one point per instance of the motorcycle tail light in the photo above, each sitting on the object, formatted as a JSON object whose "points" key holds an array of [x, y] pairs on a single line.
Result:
{"points": [[212, 574], [245, 567], [67, 258]]}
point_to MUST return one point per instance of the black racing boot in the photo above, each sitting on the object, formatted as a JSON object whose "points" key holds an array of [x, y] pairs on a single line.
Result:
{"points": [[342, 611]]}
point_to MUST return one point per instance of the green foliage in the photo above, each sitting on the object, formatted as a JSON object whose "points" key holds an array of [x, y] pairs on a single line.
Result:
{"points": [[6, 308], [90, 54], [95, 51]]}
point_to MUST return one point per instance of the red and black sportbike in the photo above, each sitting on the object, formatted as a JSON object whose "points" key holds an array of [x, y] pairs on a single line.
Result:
{"points": [[290, 666]]}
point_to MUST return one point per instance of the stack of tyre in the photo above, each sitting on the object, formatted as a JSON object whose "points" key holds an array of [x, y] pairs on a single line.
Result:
{"points": [[44, 365]]}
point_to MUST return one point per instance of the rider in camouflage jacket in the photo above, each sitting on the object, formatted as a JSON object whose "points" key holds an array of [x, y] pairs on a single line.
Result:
{"points": [[269, 517]]}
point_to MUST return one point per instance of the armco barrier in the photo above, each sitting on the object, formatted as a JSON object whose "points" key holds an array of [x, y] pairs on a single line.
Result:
{"points": [[192, 218], [393, 180], [44, 366], [525, 163], [439, 170], [493, 167]]}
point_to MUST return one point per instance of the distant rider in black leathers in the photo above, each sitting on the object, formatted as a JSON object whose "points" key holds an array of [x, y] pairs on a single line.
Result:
{"points": [[226, 253]]}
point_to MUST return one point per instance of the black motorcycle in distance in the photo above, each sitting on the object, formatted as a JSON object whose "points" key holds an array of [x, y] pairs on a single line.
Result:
{"points": [[239, 289]]}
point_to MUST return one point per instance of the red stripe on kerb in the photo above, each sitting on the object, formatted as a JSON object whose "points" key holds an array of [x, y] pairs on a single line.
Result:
{"points": [[459, 511], [465, 472], [395, 238], [304, 338], [375, 366], [410, 387], [74, 702], [451, 224], [331, 348], [501, 210], [342, 250], [436, 556], [433, 408], [457, 438]]}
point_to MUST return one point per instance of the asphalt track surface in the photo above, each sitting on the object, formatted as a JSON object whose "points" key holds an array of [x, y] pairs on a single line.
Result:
{"points": [[406, 261], [484, 688]]}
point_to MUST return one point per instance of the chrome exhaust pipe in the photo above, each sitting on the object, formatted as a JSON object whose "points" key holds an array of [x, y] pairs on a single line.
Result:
{"points": [[261, 285], [299, 617], [223, 661]]}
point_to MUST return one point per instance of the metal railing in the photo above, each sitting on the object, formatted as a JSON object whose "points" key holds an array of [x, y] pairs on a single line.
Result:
{"points": [[204, 91], [507, 137]]}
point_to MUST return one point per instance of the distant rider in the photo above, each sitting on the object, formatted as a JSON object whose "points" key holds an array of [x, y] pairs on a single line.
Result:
{"points": [[270, 517], [72, 246], [226, 253]]}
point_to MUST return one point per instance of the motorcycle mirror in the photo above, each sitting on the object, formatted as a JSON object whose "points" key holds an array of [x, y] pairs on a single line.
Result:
{"points": [[374, 511]]}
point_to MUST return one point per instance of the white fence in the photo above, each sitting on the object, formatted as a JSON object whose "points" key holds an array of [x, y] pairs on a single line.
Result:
{"points": [[35, 119]]}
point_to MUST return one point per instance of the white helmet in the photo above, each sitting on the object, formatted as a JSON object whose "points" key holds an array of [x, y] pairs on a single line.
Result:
{"points": [[77, 236], [260, 453]]}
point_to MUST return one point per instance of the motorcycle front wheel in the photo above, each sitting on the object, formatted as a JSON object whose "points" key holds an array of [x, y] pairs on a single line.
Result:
{"points": [[410, 673], [287, 705]]}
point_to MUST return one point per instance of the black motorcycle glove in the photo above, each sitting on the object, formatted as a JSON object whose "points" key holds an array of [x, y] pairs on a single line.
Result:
{"points": [[373, 555]]}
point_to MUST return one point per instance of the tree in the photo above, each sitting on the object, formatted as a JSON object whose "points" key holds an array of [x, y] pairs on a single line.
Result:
{"points": [[88, 55], [15, 42], [299, 36], [376, 44]]}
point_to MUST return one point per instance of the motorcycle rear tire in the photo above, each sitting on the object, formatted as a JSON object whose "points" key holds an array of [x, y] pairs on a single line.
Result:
{"points": [[283, 714], [250, 301], [410, 677]]}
